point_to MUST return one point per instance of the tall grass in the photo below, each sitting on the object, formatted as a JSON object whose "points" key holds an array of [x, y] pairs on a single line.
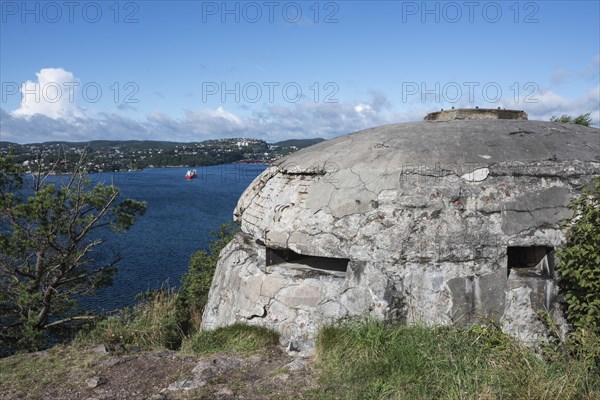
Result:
{"points": [[371, 361], [153, 324], [150, 324]]}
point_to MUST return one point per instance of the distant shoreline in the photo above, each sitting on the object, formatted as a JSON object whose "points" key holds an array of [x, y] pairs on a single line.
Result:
{"points": [[162, 167]]}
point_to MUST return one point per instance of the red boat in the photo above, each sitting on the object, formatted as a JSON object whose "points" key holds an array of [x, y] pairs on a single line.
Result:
{"points": [[191, 174]]}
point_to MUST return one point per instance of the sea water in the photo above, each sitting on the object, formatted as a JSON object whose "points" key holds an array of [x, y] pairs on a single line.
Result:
{"points": [[181, 213]]}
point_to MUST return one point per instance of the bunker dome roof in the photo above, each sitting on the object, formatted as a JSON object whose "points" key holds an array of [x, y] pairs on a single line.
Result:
{"points": [[449, 142], [352, 174]]}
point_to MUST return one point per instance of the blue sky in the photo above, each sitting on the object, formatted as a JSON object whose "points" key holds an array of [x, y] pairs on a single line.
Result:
{"points": [[195, 70]]}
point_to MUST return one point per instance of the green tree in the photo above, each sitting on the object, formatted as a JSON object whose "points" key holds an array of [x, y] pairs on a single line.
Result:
{"points": [[578, 269], [583, 119], [48, 235]]}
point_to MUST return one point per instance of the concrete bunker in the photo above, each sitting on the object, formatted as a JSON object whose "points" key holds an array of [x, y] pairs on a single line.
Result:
{"points": [[394, 229]]}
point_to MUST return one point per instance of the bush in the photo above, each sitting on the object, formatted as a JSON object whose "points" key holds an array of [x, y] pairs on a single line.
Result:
{"points": [[582, 119], [578, 269]]}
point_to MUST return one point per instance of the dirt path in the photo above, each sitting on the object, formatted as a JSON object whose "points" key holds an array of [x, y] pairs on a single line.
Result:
{"points": [[102, 373]]}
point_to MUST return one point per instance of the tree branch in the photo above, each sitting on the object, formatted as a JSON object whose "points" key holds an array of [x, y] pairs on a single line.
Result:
{"points": [[65, 320]]}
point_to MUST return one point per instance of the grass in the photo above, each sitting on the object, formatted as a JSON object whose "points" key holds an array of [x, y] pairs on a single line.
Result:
{"points": [[238, 338], [370, 361], [29, 376], [155, 324], [353, 361], [150, 324]]}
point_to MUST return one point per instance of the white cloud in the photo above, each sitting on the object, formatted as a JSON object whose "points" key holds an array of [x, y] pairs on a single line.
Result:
{"points": [[552, 104], [362, 107], [46, 121], [270, 123], [52, 95]]}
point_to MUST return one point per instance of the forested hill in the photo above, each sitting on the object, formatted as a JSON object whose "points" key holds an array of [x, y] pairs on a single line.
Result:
{"points": [[111, 155]]}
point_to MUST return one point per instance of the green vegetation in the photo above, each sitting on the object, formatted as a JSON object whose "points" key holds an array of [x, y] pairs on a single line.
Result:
{"points": [[363, 360], [164, 318], [29, 376], [578, 272], [48, 234], [371, 361], [169, 319], [105, 155], [583, 119], [579, 267], [235, 338], [151, 324]]}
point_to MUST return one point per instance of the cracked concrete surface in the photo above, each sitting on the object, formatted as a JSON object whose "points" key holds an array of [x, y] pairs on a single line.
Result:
{"points": [[424, 213]]}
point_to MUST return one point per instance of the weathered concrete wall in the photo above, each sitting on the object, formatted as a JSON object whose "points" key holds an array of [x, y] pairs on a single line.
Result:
{"points": [[425, 227]]}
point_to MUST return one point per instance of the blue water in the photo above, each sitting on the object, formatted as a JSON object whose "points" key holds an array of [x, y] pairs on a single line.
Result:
{"points": [[180, 215]]}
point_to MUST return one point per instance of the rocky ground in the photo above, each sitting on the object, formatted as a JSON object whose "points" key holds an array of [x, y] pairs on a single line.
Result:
{"points": [[102, 372]]}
